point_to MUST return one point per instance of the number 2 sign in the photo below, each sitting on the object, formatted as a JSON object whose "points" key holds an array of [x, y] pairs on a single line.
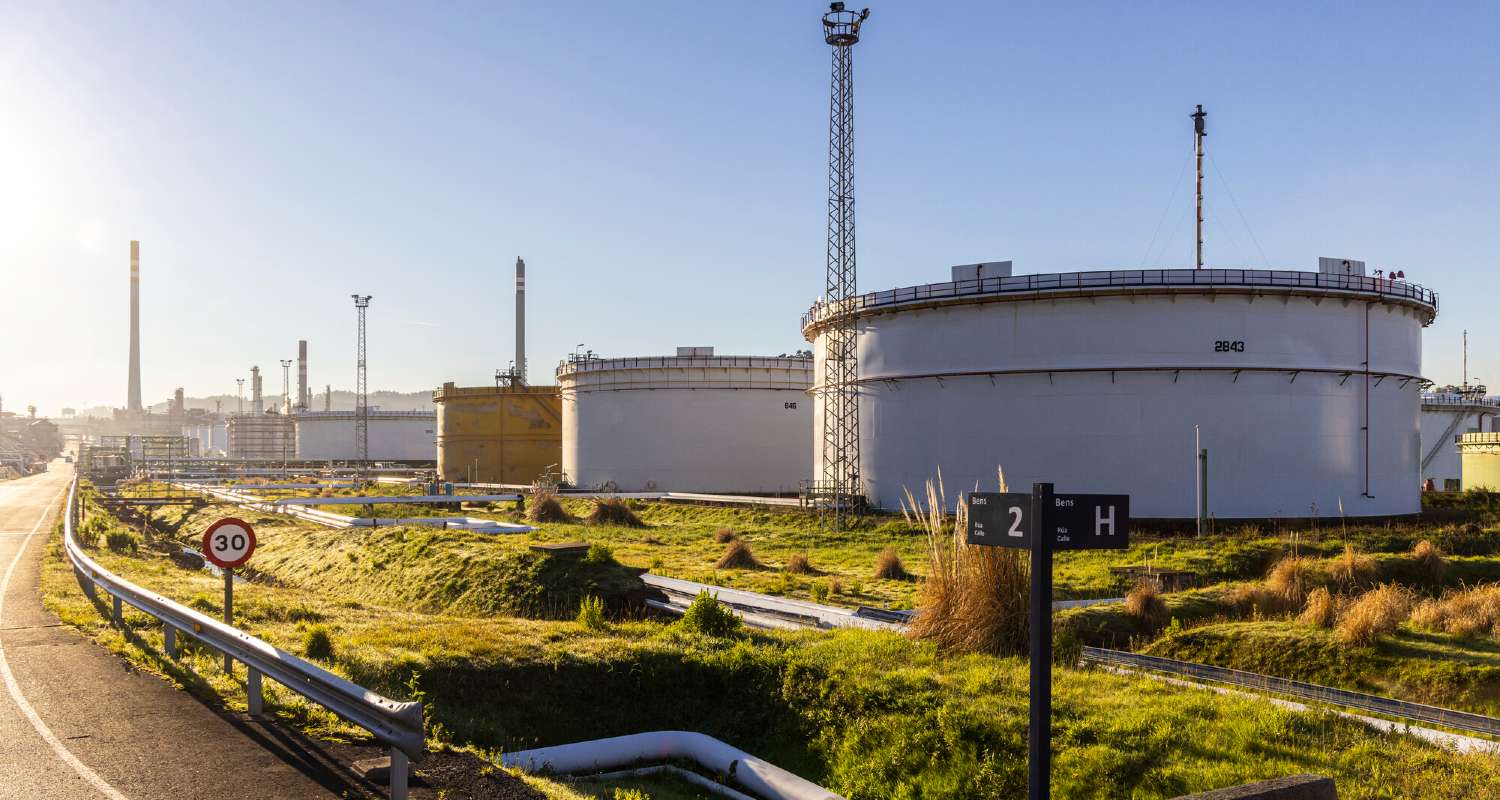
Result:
{"points": [[228, 543]]}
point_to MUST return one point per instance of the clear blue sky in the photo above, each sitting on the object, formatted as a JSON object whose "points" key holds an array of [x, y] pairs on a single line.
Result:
{"points": [[661, 167]]}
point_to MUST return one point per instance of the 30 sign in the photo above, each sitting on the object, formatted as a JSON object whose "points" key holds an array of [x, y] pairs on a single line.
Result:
{"points": [[229, 543]]}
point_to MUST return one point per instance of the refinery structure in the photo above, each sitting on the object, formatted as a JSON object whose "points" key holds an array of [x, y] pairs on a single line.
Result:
{"points": [[1202, 392]]}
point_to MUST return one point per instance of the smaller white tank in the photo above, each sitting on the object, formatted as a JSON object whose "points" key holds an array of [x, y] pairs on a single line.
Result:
{"points": [[693, 422]]}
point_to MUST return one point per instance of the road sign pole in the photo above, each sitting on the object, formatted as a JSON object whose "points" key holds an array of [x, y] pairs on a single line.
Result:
{"points": [[228, 611], [1039, 739]]}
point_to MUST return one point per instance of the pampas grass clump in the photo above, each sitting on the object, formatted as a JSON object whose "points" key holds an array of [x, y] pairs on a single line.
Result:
{"points": [[888, 565], [724, 535], [1144, 602], [1292, 578], [1352, 570], [797, 564], [737, 556], [613, 511], [546, 507], [1430, 559], [1462, 613], [1322, 609], [1376, 613], [974, 599]]}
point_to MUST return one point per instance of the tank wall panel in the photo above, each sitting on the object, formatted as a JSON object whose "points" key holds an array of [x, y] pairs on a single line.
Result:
{"points": [[499, 437], [401, 439]]}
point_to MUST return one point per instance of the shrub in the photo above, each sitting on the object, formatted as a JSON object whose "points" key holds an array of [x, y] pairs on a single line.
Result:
{"points": [[613, 511], [737, 556], [797, 564], [317, 643], [888, 566], [724, 536], [1430, 561], [121, 541], [546, 507], [707, 616], [1322, 609], [1352, 570], [591, 613], [1378, 612], [819, 591], [835, 586], [599, 553], [1144, 602], [974, 598], [630, 794]]}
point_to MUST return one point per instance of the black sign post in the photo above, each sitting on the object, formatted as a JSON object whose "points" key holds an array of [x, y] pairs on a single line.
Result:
{"points": [[1041, 523]]}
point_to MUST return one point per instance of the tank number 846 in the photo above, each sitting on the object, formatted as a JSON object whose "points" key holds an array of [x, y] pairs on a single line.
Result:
{"points": [[1227, 346]]}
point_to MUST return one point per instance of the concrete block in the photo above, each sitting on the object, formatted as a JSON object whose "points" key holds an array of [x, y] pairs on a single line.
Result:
{"points": [[1295, 787]]}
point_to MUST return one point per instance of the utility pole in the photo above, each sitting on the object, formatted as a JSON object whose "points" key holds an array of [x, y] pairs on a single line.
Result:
{"points": [[837, 389], [361, 398], [1199, 131]]}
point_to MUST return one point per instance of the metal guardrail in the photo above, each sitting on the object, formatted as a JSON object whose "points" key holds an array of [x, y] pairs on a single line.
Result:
{"points": [[1128, 278], [1478, 438], [397, 724], [1401, 709], [1460, 401]]}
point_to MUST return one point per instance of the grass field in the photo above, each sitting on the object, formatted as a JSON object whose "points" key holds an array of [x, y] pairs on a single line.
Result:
{"points": [[870, 715]]}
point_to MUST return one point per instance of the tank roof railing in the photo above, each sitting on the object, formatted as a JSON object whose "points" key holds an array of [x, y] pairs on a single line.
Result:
{"points": [[374, 414], [572, 367], [1130, 278], [1487, 437], [1460, 400]]}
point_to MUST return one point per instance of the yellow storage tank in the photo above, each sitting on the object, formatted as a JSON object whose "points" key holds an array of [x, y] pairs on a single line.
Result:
{"points": [[498, 434], [1480, 454]]}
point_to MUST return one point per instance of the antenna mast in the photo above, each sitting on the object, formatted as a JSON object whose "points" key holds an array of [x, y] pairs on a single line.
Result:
{"points": [[838, 390], [1198, 133], [1466, 359], [361, 398]]}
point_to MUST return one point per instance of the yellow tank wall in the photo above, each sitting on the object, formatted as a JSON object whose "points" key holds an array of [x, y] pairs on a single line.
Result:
{"points": [[495, 435], [1481, 470]]}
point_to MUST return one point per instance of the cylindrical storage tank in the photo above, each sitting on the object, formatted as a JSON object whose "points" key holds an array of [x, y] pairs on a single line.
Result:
{"points": [[394, 435], [498, 434], [1303, 388], [1480, 453], [694, 422], [1446, 416]]}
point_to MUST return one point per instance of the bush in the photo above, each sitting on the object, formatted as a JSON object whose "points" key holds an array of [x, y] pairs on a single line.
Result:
{"points": [[737, 556], [1322, 609], [1376, 613], [819, 591], [317, 643], [121, 541], [1430, 561], [1352, 570], [613, 511], [1144, 602], [546, 507], [798, 564], [591, 613], [888, 565], [724, 536], [599, 553], [707, 616]]}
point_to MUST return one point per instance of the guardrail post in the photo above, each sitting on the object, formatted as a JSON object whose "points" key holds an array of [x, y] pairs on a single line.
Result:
{"points": [[119, 615], [169, 641], [399, 769], [252, 691]]}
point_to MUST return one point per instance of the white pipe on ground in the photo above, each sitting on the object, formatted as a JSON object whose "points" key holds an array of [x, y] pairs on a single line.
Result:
{"points": [[759, 776]]}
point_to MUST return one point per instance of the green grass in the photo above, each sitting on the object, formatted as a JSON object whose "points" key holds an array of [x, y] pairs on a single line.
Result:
{"points": [[870, 715]]}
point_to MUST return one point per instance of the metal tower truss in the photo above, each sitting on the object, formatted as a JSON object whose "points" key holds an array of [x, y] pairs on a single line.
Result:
{"points": [[841, 489], [361, 398]]}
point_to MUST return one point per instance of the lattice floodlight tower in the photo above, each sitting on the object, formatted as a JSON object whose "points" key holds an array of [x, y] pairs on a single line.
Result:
{"points": [[839, 479], [361, 398]]}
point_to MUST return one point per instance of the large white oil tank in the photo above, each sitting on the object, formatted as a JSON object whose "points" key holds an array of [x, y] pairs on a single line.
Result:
{"points": [[1447, 414], [693, 422], [1303, 387], [394, 435]]}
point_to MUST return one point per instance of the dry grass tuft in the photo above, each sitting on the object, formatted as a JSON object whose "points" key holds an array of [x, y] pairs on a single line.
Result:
{"points": [[1352, 570], [546, 507], [1256, 600], [797, 564], [1144, 602], [1322, 609], [1430, 559], [725, 536], [737, 556], [1292, 578], [1376, 613], [613, 511], [974, 599], [888, 566], [1469, 612]]}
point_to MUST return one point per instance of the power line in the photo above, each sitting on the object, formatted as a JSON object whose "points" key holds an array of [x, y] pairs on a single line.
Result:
{"points": [[1243, 220]]}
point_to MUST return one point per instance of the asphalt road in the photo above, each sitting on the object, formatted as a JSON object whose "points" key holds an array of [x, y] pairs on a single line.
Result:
{"points": [[77, 722]]}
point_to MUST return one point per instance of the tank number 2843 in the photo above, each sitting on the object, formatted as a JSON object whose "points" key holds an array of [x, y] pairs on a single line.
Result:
{"points": [[1227, 346]]}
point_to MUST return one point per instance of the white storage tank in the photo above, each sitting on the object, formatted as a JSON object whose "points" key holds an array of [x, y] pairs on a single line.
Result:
{"points": [[1304, 387], [394, 435], [693, 422], [1447, 414]]}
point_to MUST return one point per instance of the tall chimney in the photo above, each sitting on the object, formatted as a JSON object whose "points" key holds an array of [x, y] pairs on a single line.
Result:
{"points": [[520, 320], [328, 397], [133, 394], [255, 406], [304, 400], [179, 405]]}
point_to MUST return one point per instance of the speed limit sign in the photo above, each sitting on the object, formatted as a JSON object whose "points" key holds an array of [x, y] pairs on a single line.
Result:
{"points": [[229, 542]]}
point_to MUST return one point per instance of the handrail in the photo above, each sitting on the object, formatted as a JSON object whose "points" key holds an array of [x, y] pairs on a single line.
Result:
{"points": [[1125, 279], [1416, 712], [398, 724]]}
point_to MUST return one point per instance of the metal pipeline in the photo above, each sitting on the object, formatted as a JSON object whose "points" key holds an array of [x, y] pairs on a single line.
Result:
{"points": [[763, 778]]}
